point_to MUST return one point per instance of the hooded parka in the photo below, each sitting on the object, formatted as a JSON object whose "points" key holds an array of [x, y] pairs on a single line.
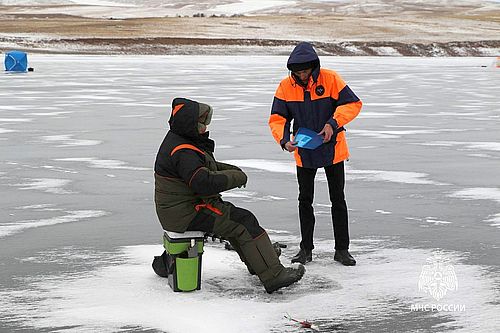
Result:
{"points": [[188, 182], [187, 176], [324, 99]]}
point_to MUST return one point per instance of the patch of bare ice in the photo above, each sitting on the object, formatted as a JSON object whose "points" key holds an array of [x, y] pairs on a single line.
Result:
{"points": [[42, 114], [102, 164], [7, 229], [478, 193], [15, 120], [250, 196], [66, 140], [48, 185], [394, 134], [494, 220], [6, 130], [403, 177]]}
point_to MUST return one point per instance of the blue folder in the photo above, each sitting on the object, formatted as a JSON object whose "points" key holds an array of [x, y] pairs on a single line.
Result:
{"points": [[307, 139]]}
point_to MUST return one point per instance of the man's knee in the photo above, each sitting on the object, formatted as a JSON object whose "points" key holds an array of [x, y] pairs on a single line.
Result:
{"points": [[246, 219]]}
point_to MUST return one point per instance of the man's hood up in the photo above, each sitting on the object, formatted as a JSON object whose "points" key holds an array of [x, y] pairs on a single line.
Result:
{"points": [[303, 53], [184, 118]]}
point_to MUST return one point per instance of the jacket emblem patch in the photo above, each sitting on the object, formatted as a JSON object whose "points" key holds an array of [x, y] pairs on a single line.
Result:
{"points": [[320, 90]]}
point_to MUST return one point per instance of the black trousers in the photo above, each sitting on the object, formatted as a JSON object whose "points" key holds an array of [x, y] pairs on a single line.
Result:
{"points": [[336, 180]]}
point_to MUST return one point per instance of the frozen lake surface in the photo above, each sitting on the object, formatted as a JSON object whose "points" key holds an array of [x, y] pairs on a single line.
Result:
{"points": [[78, 231]]}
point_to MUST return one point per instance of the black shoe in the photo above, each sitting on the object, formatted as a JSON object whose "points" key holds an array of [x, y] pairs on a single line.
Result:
{"points": [[288, 276], [302, 257], [344, 257]]}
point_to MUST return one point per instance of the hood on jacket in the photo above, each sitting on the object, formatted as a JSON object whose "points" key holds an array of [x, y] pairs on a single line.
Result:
{"points": [[184, 120], [303, 57]]}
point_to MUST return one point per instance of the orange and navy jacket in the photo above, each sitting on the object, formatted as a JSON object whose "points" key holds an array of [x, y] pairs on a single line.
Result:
{"points": [[325, 99]]}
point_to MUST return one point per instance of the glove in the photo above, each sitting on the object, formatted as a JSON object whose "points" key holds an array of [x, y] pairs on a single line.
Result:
{"points": [[235, 178], [224, 166]]}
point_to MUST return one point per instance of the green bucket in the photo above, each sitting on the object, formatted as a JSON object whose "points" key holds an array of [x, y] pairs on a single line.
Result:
{"points": [[186, 253]]}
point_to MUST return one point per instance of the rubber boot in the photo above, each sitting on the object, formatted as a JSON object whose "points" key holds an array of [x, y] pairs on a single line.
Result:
{"points": [[262, 258], [276, 246], [288, 276], [237, 248]]}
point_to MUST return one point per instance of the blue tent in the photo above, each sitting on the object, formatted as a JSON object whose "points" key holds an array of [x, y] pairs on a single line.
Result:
{"points": [[16, 61]]}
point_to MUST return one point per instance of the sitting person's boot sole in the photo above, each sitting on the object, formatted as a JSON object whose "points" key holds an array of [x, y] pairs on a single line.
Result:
{"points": [[288, 276]]}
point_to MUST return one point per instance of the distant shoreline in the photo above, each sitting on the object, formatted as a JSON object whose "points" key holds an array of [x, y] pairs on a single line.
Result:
{"points": [[414, 31], [225, 46]]}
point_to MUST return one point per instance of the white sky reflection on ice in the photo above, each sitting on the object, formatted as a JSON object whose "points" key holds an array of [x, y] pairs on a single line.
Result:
{"points": [[56, 113], [6, 130], [249, 196], [48, 185], [102, 164], [7, 229], [66, 140], [15, 120], [491, 146], [478, 193], [392, 134], [128, 293], [37, 206], [494, 220], [481, 193], [404, 177]]}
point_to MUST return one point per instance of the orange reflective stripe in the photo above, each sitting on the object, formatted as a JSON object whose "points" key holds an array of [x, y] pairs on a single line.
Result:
{"points": [[298, 159], [341, 151], [186, 146], [277, 124], [209, 207], [177, 108]]}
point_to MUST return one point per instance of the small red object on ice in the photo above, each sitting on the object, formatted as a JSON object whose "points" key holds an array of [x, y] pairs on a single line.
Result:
{"points": [[303, 324]]}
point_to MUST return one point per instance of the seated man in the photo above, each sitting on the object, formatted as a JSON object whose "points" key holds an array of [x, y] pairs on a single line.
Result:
{"points": [[188, 182]]}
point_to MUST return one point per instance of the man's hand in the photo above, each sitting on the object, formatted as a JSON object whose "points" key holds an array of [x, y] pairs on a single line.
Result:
{"points": [[290, 146], [327, 132]]}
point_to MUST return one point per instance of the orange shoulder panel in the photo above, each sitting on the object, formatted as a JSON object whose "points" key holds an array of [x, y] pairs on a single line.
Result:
{"points": [[332, 81], [290, 91], [186, 146], [279, 92]]}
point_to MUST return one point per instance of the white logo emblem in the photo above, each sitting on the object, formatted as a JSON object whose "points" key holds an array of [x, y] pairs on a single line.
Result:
{"points": [[437, 278]]}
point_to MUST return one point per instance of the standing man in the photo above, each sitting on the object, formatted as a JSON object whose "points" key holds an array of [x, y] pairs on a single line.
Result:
{"points": [[317, 99]]}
